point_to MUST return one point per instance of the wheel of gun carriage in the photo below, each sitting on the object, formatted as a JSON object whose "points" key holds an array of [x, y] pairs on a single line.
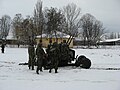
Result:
{"points": [[83, 62]]}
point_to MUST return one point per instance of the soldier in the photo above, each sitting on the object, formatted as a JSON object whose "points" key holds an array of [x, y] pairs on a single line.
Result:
{"points": [[49, 47], [54, 54], [31, 52], [64, 51], [3, 47], [40, 57], [48, 54]]}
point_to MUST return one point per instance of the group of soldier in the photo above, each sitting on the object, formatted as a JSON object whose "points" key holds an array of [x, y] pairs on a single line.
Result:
{"points": [[49, 60]]}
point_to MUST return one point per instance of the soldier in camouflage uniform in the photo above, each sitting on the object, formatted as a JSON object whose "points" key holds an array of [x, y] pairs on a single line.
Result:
{"points": [[64, 51], [54, 54], [49, 47], [31, 52], [48, 54], [40, 57]]}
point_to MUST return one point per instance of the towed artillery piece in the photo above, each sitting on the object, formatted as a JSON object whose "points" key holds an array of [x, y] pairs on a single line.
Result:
{"points": [[67, 59], [79, 61]]}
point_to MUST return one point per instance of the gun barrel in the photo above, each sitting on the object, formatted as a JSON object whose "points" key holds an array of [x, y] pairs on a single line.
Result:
{"points": [[69, 40]]}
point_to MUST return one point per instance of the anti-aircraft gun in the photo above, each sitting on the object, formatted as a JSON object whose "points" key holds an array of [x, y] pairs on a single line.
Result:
{"points": [[68, 55]]}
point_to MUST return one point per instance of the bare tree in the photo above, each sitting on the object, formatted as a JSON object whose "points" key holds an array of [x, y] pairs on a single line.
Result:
{"points": [[87, 23], [5, 26], [16, 25], [23, 29], [92, 29], [38, 18], [98, 31], [112, 35], [0, 28], [72, 14], [118, 35], [29, 32]]}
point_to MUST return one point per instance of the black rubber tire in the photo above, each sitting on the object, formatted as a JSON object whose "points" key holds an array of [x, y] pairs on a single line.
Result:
{"points": [[83, 62]]}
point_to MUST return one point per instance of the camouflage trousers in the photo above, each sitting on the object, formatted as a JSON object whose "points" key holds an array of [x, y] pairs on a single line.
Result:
{"points": [[31, 63], [39, 65], [54, 64]]}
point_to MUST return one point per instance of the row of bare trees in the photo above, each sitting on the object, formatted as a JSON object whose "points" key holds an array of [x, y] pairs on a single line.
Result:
{"points": [[92, 29], [113, 35], [50, 20]]}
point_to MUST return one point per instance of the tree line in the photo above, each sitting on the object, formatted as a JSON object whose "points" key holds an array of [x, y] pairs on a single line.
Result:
{"points": [[50, 20]]}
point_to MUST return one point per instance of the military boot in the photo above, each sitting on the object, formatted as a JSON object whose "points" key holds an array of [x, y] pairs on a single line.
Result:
{"points": [[56, 71], [37, 71], [50, 71], [32, 67]]}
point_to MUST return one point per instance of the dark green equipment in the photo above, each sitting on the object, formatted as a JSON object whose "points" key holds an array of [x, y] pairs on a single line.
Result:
{"points": [[67, 55]]}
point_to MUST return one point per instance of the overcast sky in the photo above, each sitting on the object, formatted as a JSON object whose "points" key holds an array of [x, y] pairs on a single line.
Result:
{"points": [[107, 11]]}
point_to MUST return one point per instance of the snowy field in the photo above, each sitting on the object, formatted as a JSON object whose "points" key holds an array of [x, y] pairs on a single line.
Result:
{"points": [[17, 77]]}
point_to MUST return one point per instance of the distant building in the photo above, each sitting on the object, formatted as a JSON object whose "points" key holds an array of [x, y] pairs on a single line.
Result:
{"points": [[60, 37], [45, 39], [110, 42]]}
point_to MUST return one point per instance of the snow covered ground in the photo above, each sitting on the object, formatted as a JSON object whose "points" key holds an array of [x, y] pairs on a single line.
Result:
{"points": [[17, 77]]}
